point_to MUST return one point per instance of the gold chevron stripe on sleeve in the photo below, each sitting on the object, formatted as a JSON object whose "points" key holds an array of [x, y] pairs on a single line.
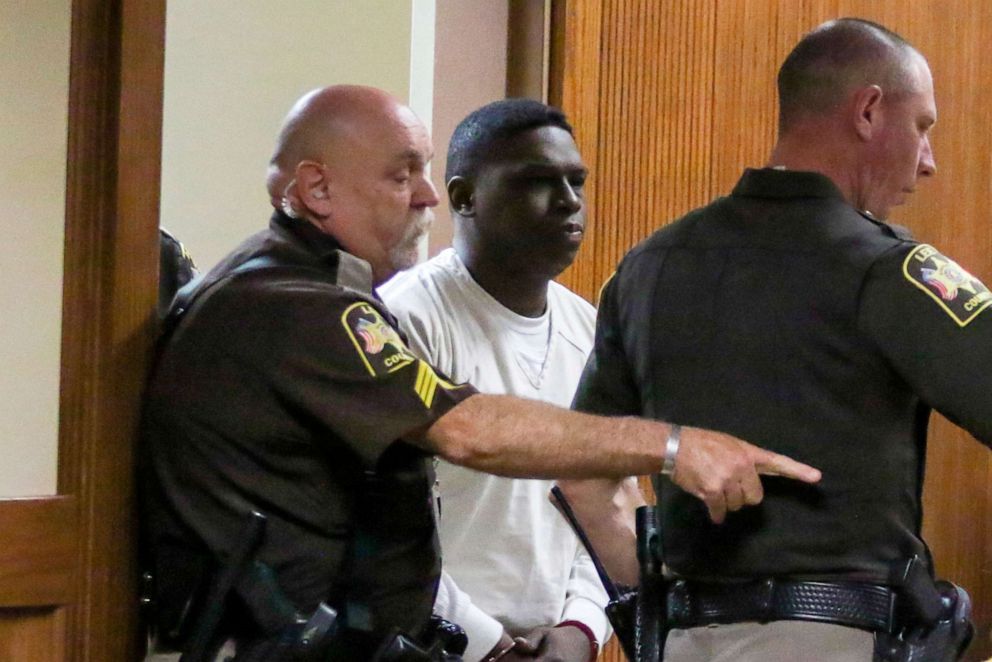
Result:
{"points": [[426, 383]]}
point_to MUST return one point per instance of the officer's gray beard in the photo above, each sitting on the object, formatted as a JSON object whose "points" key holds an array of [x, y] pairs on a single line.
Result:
{"points": [[406, 252]]}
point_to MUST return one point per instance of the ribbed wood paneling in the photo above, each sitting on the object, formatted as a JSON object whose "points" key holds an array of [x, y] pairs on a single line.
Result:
{"points": [[672, 99]]}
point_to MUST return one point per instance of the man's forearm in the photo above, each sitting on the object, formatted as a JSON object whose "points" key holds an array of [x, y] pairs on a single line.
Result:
{"points": [[522, 438], [605, 510]]}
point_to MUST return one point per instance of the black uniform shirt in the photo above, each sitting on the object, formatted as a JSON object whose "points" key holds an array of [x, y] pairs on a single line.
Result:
{"points": [[281, 388], [175, 269], [782, 315]]}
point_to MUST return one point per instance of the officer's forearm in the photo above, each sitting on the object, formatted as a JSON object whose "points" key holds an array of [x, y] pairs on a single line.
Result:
{"points": [[520, 438], [528, 439]]}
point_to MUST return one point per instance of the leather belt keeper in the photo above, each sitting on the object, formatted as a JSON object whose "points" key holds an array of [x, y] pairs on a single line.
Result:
{"points": [[859, 605]]}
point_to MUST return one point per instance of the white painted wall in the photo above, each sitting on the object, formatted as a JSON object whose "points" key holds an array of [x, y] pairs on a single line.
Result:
{"points": [[34, 87], [233, 68]]}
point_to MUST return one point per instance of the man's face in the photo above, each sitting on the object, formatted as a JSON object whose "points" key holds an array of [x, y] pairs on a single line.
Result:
{"points": [[902, 154], [380, 189], [528, 201]]}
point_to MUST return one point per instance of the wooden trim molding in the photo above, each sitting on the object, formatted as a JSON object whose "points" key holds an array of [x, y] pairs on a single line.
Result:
{"points": [[527, 49], [38, 555], [109, 294]]}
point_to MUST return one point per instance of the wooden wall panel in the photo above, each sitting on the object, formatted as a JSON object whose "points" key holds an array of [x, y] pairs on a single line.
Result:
{"points": [[37, 558], [32, 635], [671, 100], [37, 576]]}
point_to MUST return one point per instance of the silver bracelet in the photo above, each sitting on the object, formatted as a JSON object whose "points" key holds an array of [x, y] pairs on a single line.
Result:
{"points": [[671, 449]]}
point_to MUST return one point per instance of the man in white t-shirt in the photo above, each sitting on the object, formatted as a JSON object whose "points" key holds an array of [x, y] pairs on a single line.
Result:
{"points": [[488, 312]]}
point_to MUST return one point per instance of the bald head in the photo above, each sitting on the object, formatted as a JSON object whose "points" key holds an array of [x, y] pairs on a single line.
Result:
{"points": [[352, 161], [316, 124], [836, 58]]}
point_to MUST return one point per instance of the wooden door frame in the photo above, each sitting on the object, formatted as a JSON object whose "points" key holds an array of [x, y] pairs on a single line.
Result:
{"points": [[109, 302]]}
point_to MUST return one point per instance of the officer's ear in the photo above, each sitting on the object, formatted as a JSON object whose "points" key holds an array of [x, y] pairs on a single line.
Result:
{"points": [[461, 196], [313, 188], [867, 110]]}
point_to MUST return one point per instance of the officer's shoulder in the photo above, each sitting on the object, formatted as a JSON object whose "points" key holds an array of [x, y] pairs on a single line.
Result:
{"points": [[171, 246], [166, 237], [671, 234], [847, 220], [861, 238], [278, 280], [947, 285]]}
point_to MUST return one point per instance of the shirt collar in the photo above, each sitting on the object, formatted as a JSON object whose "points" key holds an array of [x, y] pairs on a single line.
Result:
{"points": [[319, 243], [352, 271], [785, 184], [778, 183]]}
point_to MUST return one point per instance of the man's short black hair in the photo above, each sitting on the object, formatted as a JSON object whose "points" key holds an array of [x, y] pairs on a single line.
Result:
{"points": [[833, 58], [476, 137]]}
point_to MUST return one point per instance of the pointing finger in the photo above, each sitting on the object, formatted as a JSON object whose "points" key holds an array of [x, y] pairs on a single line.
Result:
{"points": [[773, 464]]}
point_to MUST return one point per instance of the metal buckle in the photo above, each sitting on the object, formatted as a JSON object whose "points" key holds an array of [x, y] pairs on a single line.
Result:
{"points": [[765, 598], [679, 605]]}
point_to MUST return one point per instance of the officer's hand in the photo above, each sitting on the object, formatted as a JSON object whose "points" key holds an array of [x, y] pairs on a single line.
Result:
{"points": [[722, 470]]}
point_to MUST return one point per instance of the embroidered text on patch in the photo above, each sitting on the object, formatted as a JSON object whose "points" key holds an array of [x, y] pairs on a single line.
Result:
{"points": [[958, 293], [381, 348]]}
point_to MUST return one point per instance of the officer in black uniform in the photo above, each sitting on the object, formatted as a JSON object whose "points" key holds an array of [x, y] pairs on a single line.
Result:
{"points": [[283, 388], [175, 269], [792, 314], [242, 395]]}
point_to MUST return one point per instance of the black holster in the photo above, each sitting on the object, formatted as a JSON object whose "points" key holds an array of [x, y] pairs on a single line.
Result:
{"points": [[650, 623], [936, 617], [622, 612]]}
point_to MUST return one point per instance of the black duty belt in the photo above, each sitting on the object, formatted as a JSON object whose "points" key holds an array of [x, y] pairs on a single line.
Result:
{"points": [[865, 606]]}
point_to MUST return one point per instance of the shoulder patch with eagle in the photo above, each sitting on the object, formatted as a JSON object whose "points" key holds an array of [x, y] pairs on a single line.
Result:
{"points": [[378, 344], [957, 292]]}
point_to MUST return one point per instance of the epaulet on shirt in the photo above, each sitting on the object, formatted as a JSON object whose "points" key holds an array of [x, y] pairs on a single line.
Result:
{"points": [[896, 231], [354, 273]]}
